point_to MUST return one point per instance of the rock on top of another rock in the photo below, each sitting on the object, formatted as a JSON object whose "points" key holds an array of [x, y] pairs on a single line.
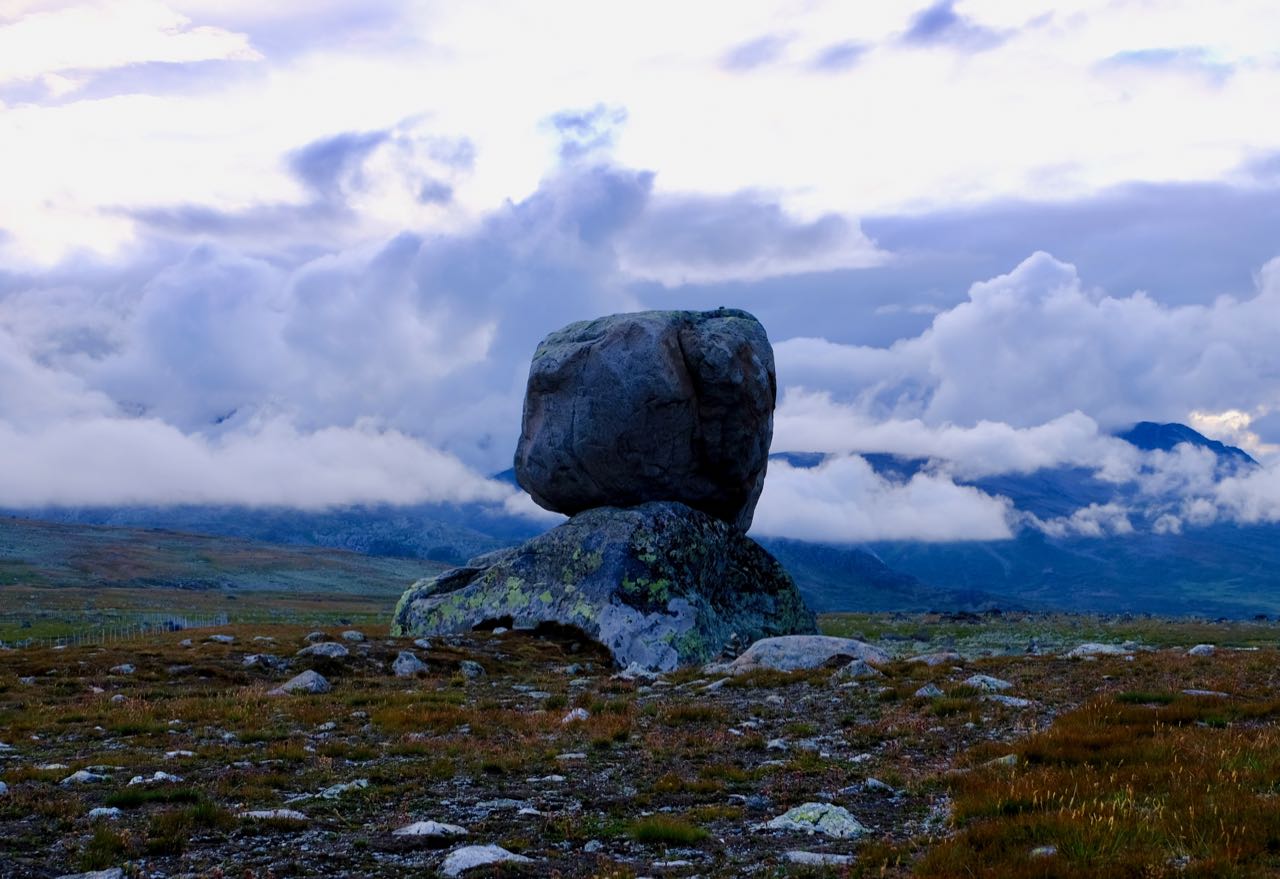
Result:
{"points": [[651, 406]]}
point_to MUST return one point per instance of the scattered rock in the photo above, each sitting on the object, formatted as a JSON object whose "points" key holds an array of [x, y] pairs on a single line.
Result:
{"points": [[1008, 701], [858, 670], [929, 691], [577, 715], [222, 639], [315, 637], [406, 665], [818, 859], [272, 815], [123, 669], [353, 636], [422, 643], [82, 776], [825, 818], [113, 873], [1006, 760], [105, 813], [1217, 694], [1202, 650], [654, 406], [1044, 851], [4, 788], [158, 778], [431, 829], [471, 856], [1093, 648], [118, 698], [796, 652], [336, 790], [987, 684], [471, 669], [326, 649], [308, 682], [942, 657], [660, 585], [263, 660]]}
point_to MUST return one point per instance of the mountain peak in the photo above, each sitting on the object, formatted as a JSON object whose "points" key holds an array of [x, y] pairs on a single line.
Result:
{"points": [[1150, 436]]}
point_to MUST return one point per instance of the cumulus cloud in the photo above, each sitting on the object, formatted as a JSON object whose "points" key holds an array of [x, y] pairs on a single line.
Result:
{"points": [[121, 461], [844, 500], [941, 25], [754, 53], [1037, 342]]}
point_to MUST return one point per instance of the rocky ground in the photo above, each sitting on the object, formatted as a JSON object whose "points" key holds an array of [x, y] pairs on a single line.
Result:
{"points": [[173, 757]]}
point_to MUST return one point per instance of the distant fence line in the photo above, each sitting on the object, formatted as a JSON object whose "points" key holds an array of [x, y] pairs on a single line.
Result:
{"points": [[142, 626]]}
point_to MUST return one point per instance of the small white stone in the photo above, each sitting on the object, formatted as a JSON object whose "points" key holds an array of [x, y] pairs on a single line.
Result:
{"points": [[82, 777], [818, 859], [471, 856], [273, 815], [577, 715], [432, 829], [1202, 650], [107, 813], [825, 818]]}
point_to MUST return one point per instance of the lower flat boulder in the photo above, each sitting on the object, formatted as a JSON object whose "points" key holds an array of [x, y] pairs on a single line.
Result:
{"points": [[798, 652], [660, 585]]}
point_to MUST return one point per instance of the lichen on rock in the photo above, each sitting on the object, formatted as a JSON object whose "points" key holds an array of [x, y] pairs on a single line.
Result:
{"points": [[660, 585]]}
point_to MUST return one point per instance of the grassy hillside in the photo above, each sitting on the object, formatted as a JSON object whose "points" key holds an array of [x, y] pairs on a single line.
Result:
{"points": [[57, 579]]}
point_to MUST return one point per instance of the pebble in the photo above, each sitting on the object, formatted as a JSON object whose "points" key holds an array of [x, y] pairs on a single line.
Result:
{"points": [[158, 778], [422, 644], [82, 777], [430, 829], [108, 813], [1008, 701], [928, 691], [118, 698], [987, 683], [123, 669], [1044, 851], [825, 818], [326, 649], [465, 858], [272, 815], [307, 682], [316, 637], [1201, 650], [577, 715], [353, 636], [817, 859], [222, 639], [471, 669], [406, 665]]}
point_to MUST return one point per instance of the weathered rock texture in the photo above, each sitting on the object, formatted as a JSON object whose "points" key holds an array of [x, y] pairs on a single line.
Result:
{"points": [[660, 585], [659, 405]]}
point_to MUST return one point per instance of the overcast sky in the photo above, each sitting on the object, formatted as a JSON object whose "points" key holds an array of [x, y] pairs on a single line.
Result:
{"points": [[300, 253]]}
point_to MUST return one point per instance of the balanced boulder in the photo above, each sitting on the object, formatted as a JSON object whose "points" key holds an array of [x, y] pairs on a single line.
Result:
{"points": [[660, 585], [652, 406]]}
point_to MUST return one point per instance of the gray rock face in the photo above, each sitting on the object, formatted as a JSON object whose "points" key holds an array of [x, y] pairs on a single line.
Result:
{"points": [[653, 406], [307, 682], [660, 585]]}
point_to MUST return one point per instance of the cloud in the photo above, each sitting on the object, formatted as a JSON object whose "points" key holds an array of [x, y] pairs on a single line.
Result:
{"points": [[1035, 343], [587, 132], [1196, 60], [813, 422], [126, 461], [941, 25], [839, 57], [843, 500], [53, 42], [685, 239], [754, 53], [1095, 520]]}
